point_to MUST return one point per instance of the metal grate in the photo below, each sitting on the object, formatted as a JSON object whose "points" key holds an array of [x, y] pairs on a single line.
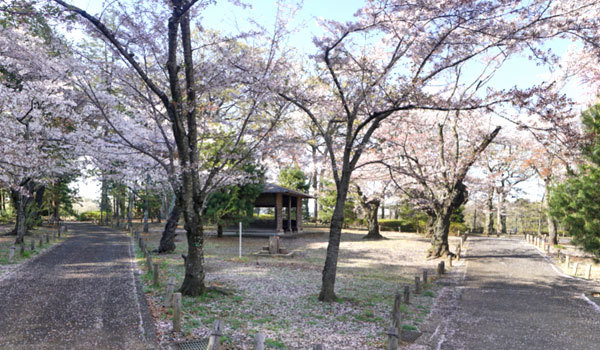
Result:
{"points": [[201, 344]]}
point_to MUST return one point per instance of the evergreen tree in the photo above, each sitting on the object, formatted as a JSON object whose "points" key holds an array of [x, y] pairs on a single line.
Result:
{"points": [[575, 201], [294, 178]]}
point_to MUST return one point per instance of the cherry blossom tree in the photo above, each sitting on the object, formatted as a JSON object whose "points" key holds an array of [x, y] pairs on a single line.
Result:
{"points": [[212, 97], [506, 165], [35, 111], [394, 58], [430, 162]]}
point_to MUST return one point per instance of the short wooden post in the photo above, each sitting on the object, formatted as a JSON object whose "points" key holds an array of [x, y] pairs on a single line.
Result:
{"points": [[567, 260], [396, 316], [140, 242], [417, 285], [464, 238], [392, 338], [66, 228], [149, 263], [458, 253], [575, 265], [32, 244], [22, 248], [137, 234], [155, 275], [548, 249], [177, 312], [41, 242], [424, 276], [259, 341], [318, 347], [47, 238], [588, 272], [406, 295], [214, 342], [449, 260], [11, 253], [170, 288], [441, 268]]}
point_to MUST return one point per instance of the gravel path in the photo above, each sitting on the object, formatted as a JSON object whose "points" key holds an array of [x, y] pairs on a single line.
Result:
{"points": [[510, 297], [83, 294]]}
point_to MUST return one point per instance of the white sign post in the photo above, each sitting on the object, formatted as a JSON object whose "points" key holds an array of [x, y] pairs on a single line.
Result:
{"points": [[240, 239]]}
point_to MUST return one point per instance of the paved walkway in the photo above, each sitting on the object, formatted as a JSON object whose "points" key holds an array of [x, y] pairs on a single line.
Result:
{"points": [[513, 298], [82, 294]]}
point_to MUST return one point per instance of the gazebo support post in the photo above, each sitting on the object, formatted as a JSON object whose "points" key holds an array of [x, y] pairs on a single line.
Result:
{"points": [[278, 212], [299, 227], [289, 212]]}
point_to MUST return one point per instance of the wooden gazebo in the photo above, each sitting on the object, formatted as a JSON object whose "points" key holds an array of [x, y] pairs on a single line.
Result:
{"points": [[275, 196]]}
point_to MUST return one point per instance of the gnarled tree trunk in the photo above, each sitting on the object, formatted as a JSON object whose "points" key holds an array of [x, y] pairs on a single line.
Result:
{"points": [[371, 208], [439, 239], [167, 240]]}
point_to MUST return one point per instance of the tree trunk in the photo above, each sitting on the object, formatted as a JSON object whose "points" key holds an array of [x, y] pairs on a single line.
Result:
{"points": [[371, 208], [489, 214], [430, 224], [335, 232], [130, 212], [219, 230], [321, 175], [33, 206], [2, 208], [500, 215], [167, 240], [551, 222], [146, 205], [439, 238], [372, 224], [383, 208], [55, 211], [193, 282], [21, 225]]}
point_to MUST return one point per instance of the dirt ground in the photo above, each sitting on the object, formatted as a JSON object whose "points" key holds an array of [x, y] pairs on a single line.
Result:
{"points": [[7, 241], [278, 296]]}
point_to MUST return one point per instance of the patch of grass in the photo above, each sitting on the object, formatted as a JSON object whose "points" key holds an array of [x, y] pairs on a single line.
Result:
{"points": [[368, 316], [559, 246], [409, 327], [275, 344], [428, 293]]}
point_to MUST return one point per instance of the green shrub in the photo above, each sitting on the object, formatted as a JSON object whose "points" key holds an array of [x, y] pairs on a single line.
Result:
{"points": [[457, 226], [264, 217], [407, 225], [89, 215]]}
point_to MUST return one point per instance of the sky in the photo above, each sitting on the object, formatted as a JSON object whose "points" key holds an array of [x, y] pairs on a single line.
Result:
{"points": [[225, 16]]}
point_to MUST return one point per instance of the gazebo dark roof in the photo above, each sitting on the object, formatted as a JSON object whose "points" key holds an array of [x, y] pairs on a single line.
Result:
{"points": [[272, 188]]}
